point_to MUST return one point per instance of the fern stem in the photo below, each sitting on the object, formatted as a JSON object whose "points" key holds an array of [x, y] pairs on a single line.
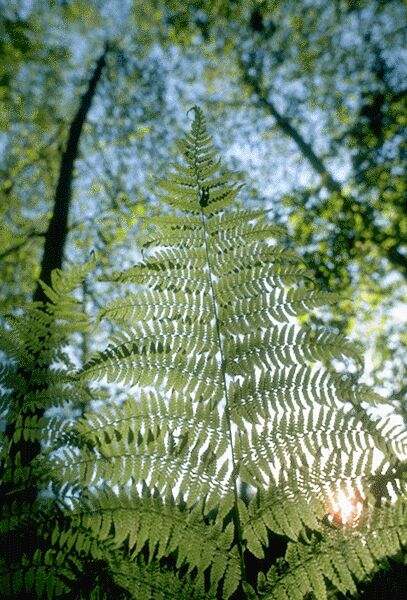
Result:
{"points": [[236, 516]]}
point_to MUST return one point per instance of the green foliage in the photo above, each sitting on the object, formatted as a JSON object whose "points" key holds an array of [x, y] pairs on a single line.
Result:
{"points": [[237, 425], [37, 394], [340, 559]]}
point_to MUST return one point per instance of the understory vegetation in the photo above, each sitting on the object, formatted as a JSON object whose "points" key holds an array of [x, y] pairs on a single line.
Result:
{"points": [[221, 445]]}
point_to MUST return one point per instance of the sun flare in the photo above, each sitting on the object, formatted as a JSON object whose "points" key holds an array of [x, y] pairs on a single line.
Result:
{"points": [[345, 508]]}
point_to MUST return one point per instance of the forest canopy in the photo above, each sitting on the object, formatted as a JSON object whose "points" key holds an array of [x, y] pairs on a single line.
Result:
{"points": [[203, 269]]}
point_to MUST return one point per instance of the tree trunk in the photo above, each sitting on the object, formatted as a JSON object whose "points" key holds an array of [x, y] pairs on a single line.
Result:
{"points": [[56, 234], [53, 254]]}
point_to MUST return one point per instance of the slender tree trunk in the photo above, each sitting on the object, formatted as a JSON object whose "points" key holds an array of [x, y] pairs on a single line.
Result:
{"points": [[394, 256], [56, 234], [53, 254]]}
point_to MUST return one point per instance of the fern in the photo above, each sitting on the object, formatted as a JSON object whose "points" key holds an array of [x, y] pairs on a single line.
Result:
{"points": [[37, 377], [236, 425], [341, 558], [233, 393]]}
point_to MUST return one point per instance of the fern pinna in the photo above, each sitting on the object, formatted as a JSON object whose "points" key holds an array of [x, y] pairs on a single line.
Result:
{"points": [[236, 427]]}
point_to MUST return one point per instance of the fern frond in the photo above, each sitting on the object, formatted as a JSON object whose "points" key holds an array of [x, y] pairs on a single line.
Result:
{"points": [[244, 397], [286, 346], [341, 558], [159, 306], [153, 582], [283, 511], [38, 380], [163, 529], [44, 575]]}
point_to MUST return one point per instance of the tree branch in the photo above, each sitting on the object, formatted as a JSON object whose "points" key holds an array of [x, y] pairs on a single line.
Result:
{"points": [[286, 127], [16, 247]]}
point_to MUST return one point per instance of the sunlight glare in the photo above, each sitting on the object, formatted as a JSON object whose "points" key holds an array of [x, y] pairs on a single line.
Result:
{"points": [[345, 509]]}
